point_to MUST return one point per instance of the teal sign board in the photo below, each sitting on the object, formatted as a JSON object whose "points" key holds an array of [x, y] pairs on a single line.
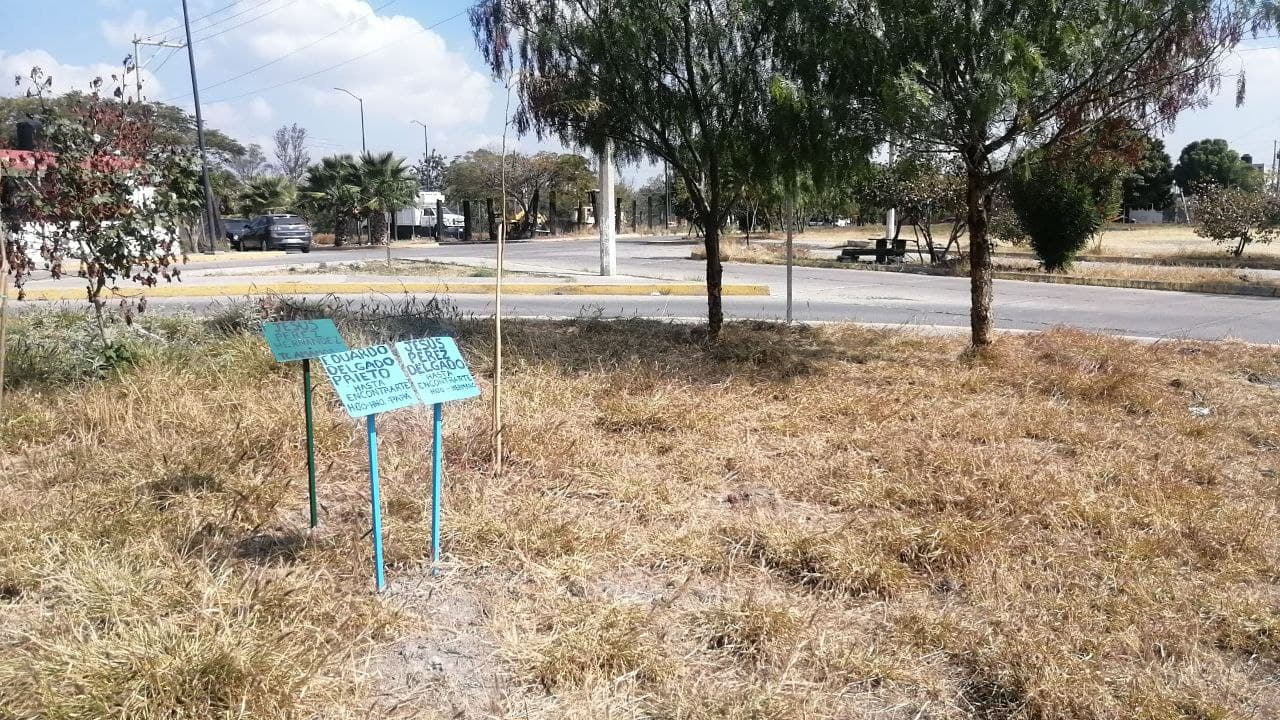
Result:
{"points": [[437, 369], [369, 381], [303, 339]]}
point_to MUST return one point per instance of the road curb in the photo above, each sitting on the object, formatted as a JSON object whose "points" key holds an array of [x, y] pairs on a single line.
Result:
{"points": [[437, 288], [1247, 289]]}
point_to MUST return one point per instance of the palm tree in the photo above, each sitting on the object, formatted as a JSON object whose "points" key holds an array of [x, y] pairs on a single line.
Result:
{"points": [[386, 185], [333, 187], [268, 194]]}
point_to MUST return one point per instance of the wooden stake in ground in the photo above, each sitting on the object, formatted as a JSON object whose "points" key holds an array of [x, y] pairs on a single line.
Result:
{"points": [[497, 298], [4, 311]]}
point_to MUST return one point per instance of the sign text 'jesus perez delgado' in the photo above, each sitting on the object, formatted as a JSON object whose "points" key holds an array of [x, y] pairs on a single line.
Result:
{"points": [[437, 369], [369, 380]]}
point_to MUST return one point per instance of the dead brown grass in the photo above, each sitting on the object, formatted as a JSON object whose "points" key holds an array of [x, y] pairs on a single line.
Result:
{"points": [[805, 523], [1162, 273]]}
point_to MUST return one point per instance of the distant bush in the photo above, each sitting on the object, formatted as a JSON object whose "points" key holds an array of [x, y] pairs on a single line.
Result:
{"points": [[1236, 217]]}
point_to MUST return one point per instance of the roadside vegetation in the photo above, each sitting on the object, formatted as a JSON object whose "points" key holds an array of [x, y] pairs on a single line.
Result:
{"points": [[398, 268], [810, 522]]}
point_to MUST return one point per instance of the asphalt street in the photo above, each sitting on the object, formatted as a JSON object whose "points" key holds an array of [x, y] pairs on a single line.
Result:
{"points": [[827, 294]]}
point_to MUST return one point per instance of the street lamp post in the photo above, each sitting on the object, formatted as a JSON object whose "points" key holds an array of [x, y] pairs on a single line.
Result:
{"points": [[364, 148], [426, 149]]}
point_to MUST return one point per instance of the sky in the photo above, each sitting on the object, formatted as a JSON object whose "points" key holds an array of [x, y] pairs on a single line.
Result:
{"points": [[267, 63]]}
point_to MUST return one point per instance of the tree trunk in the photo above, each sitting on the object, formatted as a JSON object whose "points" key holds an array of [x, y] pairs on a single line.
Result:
{"points": [[340, 229], [715, 278], [980, 284], [377, 228]]}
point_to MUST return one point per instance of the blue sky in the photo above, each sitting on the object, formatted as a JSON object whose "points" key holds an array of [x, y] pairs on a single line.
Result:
{"points": [[409, 59]]}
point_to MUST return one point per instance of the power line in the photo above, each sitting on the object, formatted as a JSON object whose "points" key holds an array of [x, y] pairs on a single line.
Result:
{"points": [[202, 17], [344, 62], [255, 18], [311, 44]]}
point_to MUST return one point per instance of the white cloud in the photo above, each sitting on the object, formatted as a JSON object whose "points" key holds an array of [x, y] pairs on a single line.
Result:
{"points": [[120, 33], [66, 77], [402, 70]]}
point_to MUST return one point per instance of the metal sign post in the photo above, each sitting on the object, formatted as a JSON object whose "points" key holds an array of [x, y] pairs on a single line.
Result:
{"points": [[304, 340], [375, 502], [440, 374], [369, 381]]}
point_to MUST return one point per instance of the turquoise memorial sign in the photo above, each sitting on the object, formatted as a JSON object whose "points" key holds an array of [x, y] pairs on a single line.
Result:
{"points": [[302, 339], [437, 370], [369, 381]]}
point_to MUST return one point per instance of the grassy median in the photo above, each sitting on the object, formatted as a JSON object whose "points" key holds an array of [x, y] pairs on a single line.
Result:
{"points": [[823, 522]]}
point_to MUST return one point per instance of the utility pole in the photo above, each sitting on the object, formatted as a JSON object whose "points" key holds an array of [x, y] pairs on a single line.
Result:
{"points": [[891, 215], [137, 60], [605, 220], [210, 222], [364, 148], [426, 150]]}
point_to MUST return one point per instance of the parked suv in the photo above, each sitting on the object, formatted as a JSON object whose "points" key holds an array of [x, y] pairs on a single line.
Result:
{"points": [[234, 228], [277, 232]]}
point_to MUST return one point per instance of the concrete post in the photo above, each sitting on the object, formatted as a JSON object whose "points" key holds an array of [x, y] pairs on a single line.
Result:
{"points": [[605, 214]]}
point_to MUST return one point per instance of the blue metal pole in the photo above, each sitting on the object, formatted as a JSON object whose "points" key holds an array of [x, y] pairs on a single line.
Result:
{"points": [[376, 500], [437, 470]]}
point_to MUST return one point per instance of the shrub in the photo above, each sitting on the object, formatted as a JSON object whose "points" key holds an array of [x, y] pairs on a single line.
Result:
{"points": [[1235, 216], [1058, 211]]}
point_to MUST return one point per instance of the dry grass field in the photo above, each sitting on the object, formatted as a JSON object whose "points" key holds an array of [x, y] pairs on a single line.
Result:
{"points": [[828, 522]]}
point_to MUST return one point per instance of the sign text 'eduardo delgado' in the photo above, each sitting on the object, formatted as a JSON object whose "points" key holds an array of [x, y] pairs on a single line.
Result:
{"points": [[369, 380]]}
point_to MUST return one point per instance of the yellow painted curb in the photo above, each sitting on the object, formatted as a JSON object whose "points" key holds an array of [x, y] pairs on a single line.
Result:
{"points": [[357, 288]]}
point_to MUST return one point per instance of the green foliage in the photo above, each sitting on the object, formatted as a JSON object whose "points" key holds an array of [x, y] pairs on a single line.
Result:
{"points": [[1213, 162], [1057, 209], [477, 175], [1236, 217], [1150, 183], [982, 79], [333, 190], [267, 195], [678, 81], [386, 185]]}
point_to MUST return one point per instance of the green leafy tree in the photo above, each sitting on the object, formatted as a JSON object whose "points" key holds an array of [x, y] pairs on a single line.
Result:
{"points": [[1236, 217], [478, 175], [430, 172], [984, 81], [1212, 162], [663, 79], [1150, 183], [268, 194], [1056, 206], [107, 192], [333, 189], [386, 185]]}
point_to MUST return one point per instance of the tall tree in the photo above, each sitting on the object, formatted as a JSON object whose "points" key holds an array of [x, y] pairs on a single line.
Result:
{"points": [[249, 166], [430, 172], [665, 79], [291, 152], [333, 188], [477, 175], [986, 80], [1150, 183], [386, 185], [1213, 162]]}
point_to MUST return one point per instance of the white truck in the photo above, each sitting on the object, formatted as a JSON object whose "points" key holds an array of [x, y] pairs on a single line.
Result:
{"points": [[421, 217]]}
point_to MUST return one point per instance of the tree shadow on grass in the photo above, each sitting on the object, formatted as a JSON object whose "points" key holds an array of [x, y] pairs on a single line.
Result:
{"points": [[744, 349], [284, 547]]}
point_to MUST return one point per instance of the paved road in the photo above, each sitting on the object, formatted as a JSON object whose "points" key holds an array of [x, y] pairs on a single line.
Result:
{"points": [[836, 295]]}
